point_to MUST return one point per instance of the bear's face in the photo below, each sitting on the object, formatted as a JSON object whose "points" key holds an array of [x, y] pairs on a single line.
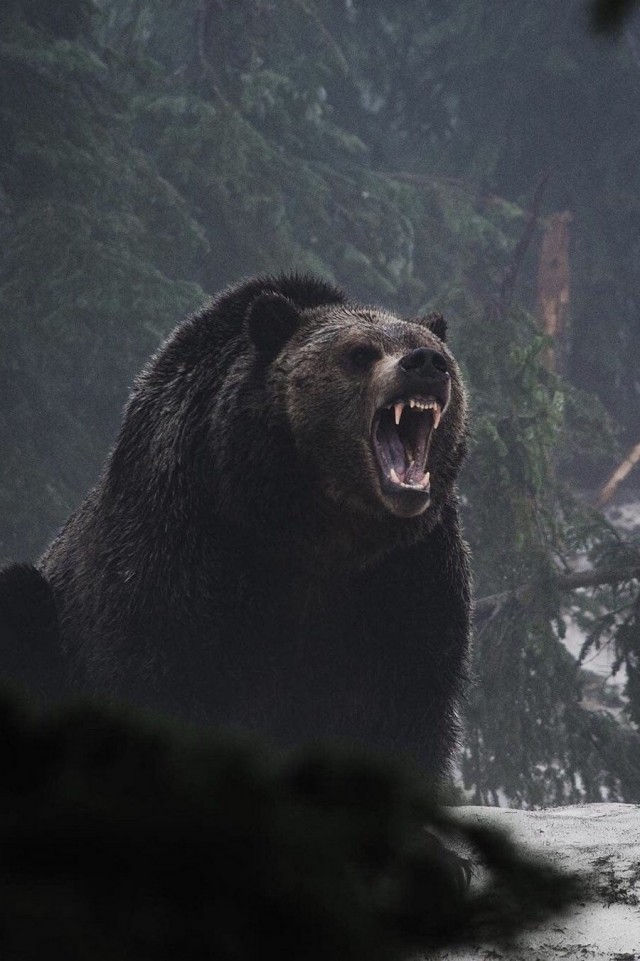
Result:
{"points": [[375, 404]]}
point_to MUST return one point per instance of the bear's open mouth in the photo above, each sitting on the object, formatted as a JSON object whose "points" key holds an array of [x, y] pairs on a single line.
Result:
{"points": [[402, 434]]}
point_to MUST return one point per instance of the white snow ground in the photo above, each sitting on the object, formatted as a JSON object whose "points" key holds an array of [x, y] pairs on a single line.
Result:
{"points": [[601, 842]]}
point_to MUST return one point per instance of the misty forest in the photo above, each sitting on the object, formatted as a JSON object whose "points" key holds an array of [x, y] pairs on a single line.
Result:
{"points": [[478, 159]]}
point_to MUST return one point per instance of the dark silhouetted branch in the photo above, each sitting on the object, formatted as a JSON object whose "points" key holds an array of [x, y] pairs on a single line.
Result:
{"points": [[486, 608], [504, 294], [608, 16]]}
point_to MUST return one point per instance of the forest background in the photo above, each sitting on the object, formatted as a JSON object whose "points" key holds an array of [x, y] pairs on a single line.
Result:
{"points": [[480, 159]]}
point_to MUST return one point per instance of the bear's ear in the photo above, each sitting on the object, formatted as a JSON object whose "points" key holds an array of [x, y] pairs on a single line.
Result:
{"points": [[436, 324], [271, 320]]}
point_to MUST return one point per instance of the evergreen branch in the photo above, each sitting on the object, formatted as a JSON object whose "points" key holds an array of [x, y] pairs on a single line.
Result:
{"points": [[596, 578], [487, 608], [203, 15], [329, 40], [220, 847], [422, 180]]}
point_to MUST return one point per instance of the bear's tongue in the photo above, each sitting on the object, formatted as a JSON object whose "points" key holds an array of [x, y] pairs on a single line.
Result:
{"points": [[402, 438]]}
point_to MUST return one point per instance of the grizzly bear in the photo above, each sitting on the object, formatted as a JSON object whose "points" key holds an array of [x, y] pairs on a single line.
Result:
{"points": [[274, 542]]}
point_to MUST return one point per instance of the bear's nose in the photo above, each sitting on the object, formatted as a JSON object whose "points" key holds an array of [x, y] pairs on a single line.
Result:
{"points": [[424, 361]]}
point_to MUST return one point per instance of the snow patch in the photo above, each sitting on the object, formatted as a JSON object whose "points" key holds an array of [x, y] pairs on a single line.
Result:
{"points": [[600, 842]]}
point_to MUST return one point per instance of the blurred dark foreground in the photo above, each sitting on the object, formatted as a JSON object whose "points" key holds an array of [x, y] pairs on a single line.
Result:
{"points": [[128, 837]]}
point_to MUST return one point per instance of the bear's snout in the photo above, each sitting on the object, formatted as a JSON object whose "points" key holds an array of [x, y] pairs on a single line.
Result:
{"points": [[423, 371], [424, 361]]}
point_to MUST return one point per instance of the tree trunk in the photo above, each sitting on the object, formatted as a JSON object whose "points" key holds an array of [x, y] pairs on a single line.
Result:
{"points": [[552, 304]]}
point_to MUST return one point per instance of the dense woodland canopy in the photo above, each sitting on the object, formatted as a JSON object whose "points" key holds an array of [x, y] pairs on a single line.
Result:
{"points": [[151, 152]]}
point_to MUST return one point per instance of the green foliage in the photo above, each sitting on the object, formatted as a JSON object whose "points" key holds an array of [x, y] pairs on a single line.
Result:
{"points": [[88, 231], [526, 527]]}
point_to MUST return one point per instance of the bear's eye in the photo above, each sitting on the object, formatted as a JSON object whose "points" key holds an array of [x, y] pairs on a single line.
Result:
{"points": [[363, 356]]}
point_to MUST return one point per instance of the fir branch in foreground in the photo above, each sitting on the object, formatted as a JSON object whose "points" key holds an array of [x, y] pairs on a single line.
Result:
{"points": [[122, 835]]}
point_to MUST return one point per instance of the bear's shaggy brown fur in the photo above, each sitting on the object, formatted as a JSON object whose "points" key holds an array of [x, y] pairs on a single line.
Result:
{"points": [[265, 546]]}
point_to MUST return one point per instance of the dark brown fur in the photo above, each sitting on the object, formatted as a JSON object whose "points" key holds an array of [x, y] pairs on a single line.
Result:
{"points": [[238, 561]]}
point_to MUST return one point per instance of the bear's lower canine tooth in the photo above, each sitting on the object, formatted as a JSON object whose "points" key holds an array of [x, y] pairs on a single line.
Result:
{"points": [[394, 477], [425, 480]]}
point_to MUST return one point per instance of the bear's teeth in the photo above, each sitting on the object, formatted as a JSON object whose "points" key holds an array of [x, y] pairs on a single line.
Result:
{"points": [[424, 483], [398, 408], [437, 414]]}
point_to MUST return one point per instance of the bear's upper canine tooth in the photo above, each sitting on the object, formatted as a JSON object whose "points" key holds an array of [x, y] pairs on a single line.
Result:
{"points": [[412, 403], [437, 414], [398, 408]]}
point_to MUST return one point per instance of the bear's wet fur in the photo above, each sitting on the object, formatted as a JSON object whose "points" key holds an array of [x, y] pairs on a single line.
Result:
{"points": [[263, 549]]}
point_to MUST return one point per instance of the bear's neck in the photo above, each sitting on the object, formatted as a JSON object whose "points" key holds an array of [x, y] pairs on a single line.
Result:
{"points": [[320, 545]]}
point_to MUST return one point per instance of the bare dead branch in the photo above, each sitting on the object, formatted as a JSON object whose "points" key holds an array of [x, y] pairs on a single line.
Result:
{"points": [[618, 476]]}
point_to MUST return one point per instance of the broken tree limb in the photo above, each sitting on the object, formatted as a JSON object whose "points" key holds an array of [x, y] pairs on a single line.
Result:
{"points": [[553, 287], [486, 608], [618, 476]]}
